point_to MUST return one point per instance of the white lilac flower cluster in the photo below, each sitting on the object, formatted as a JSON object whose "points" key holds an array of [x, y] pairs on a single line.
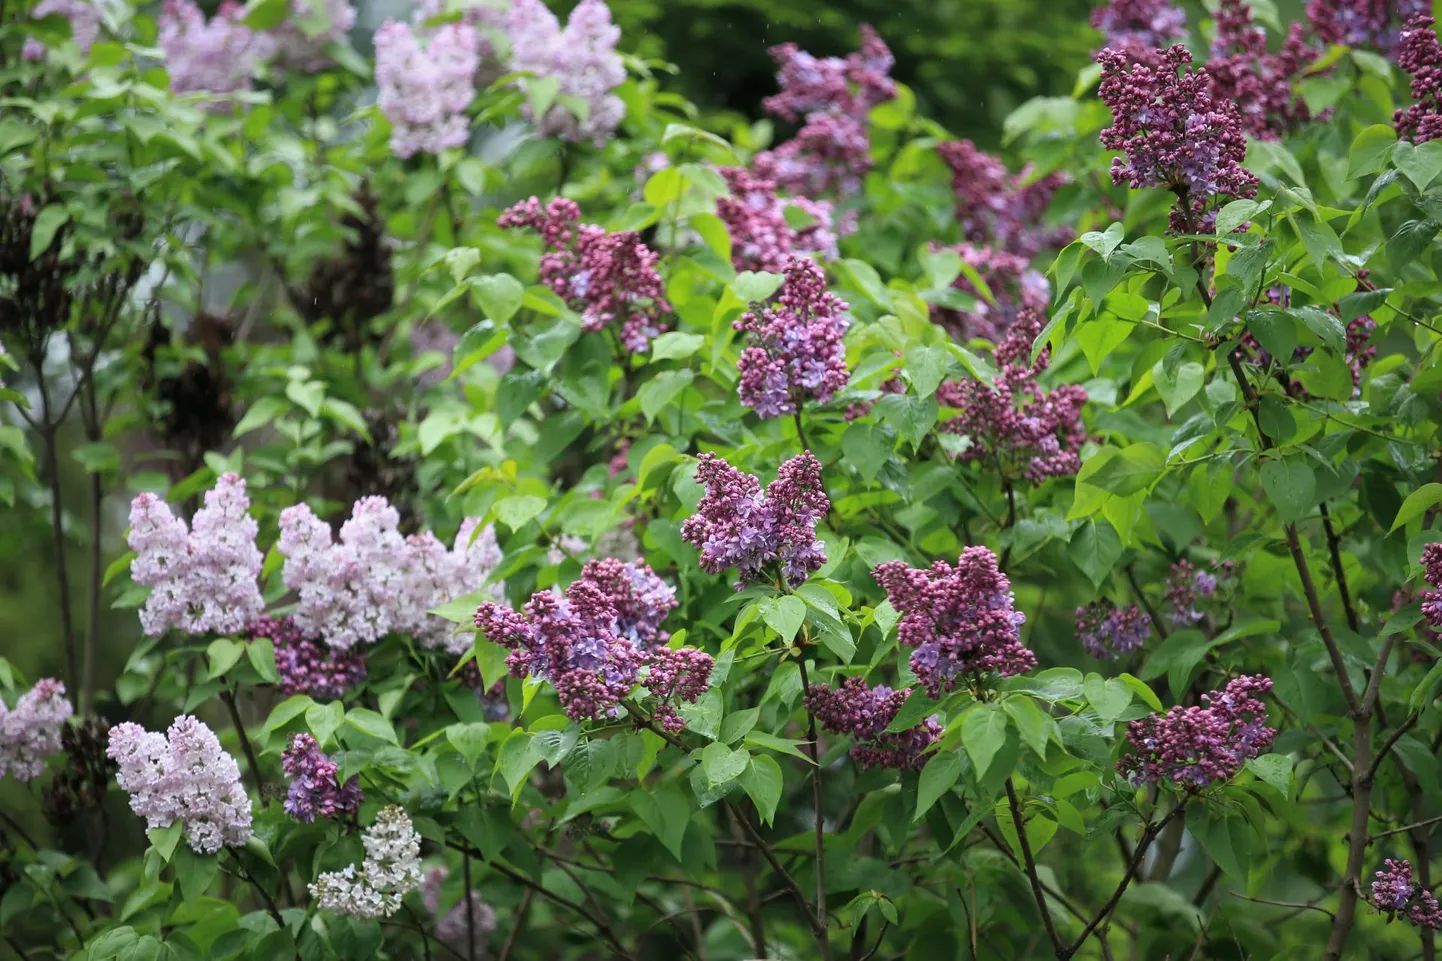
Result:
{"points": [[391, 869]]}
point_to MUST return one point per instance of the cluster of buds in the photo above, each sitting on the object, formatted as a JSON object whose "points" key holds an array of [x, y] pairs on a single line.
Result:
{"points": [[1397, 894], [865, 713], [1195, 747], [1108, 631], [795, 351]]}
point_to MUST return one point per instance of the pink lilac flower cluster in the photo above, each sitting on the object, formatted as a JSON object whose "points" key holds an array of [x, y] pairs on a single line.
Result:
{"points": [[795, 351], [218, 56], [1188, 587], [864, 713], [832, 150], [761, 236], [30, 731], [183, 775], [455, 925], [301, 39], [1108, 631], [1140, 27], [202, 579], [84, 17], [960, 620], [736, 525], [1420, 54], [683, 674], [306, 665], [426, 83], [1014, 285], [1397, 893], [582, 59], [1363, 23], [439, 576], [641, 599], [999, 208], [1262, 84], [1012, 423], [315, 790], [1175, 133], [1432, 572], [605, 277], [1193, 747]]}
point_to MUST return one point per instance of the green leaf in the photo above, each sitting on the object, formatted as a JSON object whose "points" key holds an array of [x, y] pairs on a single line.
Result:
{"points": [[499, 295], [261, 655], [469, 740], [661, 390], [1420, 163], [516, 760], [1104, 243], [762, 781], [1238, 212], [195, 872], [983, 733], [752, 287], [723, 764], [1275, 769], [664, 186], [1095, 548], [519, 509], [785, 615], [665, 811], [916, 708], [165, 839], [867, 447], [287, 711], [1142, 690], [926, 368], [263, 15], [1275, 330], [1420, 500], [223, 654], [1178, 385], [1369, 150], [370, 723], [1108, 696], [97, 458], [1291, 485], [675, 345], [1129, 471], [738, 724], [938, 777], [47, 223], [1407, 244]]}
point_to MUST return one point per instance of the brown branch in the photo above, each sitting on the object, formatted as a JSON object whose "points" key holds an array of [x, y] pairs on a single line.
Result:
{"points": [[228, 697], [1019, 822], [814, 750], [1335, 550], [1406, 827], [1300, 906], [1148, 835]]}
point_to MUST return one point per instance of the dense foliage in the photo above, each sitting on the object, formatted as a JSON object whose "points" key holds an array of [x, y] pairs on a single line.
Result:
{"points": [[547, 520]]}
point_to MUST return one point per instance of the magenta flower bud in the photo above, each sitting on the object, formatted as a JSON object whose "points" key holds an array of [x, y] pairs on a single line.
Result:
{"points": [[1261, 84], [761, 236], [796, 351], [864, 713], [1364, 24], [314, 789], [1195, 747], [1420, 54], [1396, 893]]}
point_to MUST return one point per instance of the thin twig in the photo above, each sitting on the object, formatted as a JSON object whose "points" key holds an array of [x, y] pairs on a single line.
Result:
{"points": [[1146, 604], [1405, 827], [1148, 835], [1334, 548], [228, 697], [1300, 906], [814, 750], [1019, 822]]}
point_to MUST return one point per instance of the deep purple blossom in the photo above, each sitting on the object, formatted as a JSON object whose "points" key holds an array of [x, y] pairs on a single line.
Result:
{"points": [[1015, 287], [1364, 24], [1108, 631], [1194, 747], [641, 599], [865, 713], [1420, 54], [1432, 572], [736, 525], [680, 675], [30, 731], [999, 208], [315, 790], [1140, 27], [1176, 135], [1012, 424], [1188, 587], [761, 236], [795, 352], [605, 277], [1397, 893], [960, 620], [1262, 84], [306, 665]]}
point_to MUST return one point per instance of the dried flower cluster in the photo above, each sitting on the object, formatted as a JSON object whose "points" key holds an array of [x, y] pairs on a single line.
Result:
{"points": [[305, 664], [581, 58], [998, 208], [183, 775], [1012, 424], [960, 620], [1262, 84], [1188, 587], [202, 579], [315, 789], [1194, 747], [31, 731], [865, 713], [1108, 631], [390, 871], [795, 351], [737, 525], [1420, 54], [762, 238], [1398, 894], [605, 277]]}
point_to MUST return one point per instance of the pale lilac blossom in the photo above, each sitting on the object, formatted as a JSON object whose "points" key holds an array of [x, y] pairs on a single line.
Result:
{"points": [[426, 84], [581, 58], [30, 731], [219, 56]]}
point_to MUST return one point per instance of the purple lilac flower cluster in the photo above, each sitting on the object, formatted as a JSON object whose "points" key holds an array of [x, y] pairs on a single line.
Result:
{"points": [[301, 39], [1108, 631], [307, 665], [219, 56], [426, 83], [84, 17], [1175, 134], [960, 620], [1261, 84], [736, 525], [1194, 747], [865, 713], [1363, 23], [1025, 431], [796, 350], [641, 599], [1014, 284], [582, 59], [1187, 587], [315, 791], [683, 674], [454, 926], [1432, 572], [30, 732], [183, 775], [1397, 893], [832, 150], [1420, 54], [603, 276], [1138, 28], [203, 579], [761, 236], [998, 208]]}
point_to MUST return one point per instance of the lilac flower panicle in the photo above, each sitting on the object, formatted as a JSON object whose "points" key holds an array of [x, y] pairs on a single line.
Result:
{"points": [[1188, 588], [315, 791], [641, 599], [84, 17], [203, 580], [1432, 573], [581, 58], [1365, 24], [960, 620], [1195, 747], [30, 731], [1420, 54], [795, 351], [1139, 27], [680, 675], [864, 713], [439, 576], [1108, 631], [307, 665], [219, 56], [1396, 893], [998, 208], [1262, 84], [761, 236], [183, 775], [426, 84], [453, 926], [1015, 285], [390, 871], [1175, 134], [736, 525], [605, 277]]}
